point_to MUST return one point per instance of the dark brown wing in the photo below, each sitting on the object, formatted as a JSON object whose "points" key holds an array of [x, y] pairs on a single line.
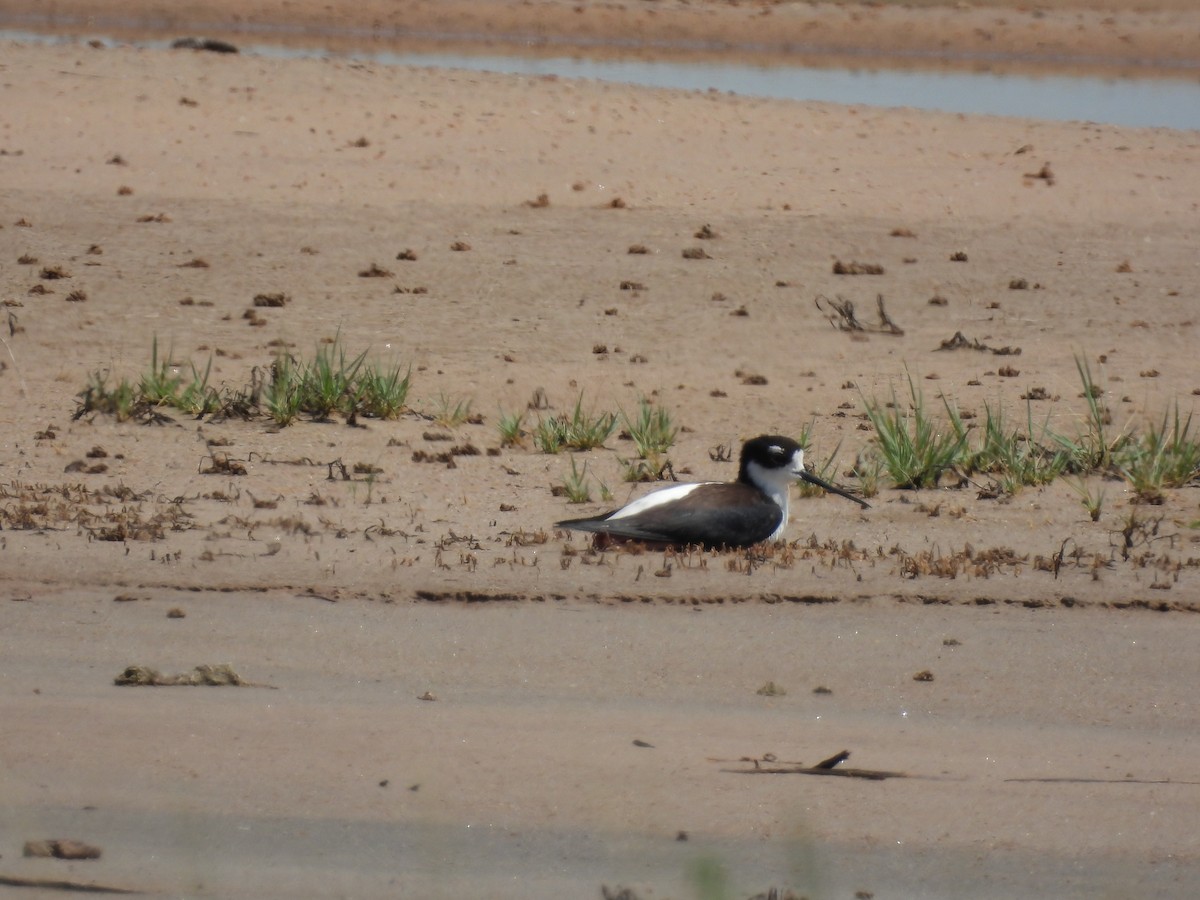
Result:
{"points": [[714, 515]]}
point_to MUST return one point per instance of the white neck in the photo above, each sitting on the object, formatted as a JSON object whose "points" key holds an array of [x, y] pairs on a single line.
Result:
{"points": [[776, 484]]}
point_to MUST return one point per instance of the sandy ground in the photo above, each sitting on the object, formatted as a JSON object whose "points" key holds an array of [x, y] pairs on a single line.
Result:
{"points": [[346, 601]]}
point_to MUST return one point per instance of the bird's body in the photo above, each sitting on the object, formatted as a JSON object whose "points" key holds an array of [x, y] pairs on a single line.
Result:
{"points": [[714, 513]]}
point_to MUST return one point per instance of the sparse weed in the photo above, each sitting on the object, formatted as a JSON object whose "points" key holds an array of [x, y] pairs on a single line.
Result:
{"points": [[641, 470], [1092, 451], [1164, 456], [382, 393], [327, 383], [576, 484], [550, 435], [868, 468], [450, 412], [652, 431], [1092, 502], [826, 471], [160, 384], [916, 449], [118, 401], [332, 382], [284, 391], [915, 452], [581, 431], [512, 429], [1015, 457], [197, 398]]}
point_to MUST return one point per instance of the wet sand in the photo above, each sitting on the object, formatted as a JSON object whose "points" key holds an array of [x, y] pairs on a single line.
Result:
{"points": [[348, 600]]}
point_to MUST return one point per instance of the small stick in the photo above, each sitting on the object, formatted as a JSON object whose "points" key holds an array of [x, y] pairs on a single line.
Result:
{"points": [[52, 884], [833, 760], [868, 774], [824, 767], [885, 320], [845, 309]]}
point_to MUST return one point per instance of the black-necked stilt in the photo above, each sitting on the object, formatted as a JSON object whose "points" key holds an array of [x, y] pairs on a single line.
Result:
{"points": [[716, 513]]}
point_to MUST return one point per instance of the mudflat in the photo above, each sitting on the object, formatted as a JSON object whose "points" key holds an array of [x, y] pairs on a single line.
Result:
{"points": [[444, 695]]}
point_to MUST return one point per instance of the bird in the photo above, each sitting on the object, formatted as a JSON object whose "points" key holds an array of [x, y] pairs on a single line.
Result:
{"points": [[716, 514]]}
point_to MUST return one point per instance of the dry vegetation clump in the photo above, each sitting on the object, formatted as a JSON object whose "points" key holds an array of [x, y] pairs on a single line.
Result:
{"points": [[967, 562], [109, 513], [856, 268], [221, 675]]}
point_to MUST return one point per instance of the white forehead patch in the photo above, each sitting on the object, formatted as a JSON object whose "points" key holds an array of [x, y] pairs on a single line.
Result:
{"points": [[655, 499]]}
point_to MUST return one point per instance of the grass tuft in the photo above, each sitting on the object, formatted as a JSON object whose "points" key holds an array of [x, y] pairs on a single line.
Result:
{"points": [[575, 485], [1093, 450], [1163, 456], [1093, 502], [382, 393], [197, 398], [283, 393], [450, 412], [915, 448], [512, 429], [579, 431], [118, 401], [653, 432], [868, 469], [327, 383], [1013, 456], [160, 384]]}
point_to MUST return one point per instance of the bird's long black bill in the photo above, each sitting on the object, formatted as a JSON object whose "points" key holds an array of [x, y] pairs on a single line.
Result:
{"points": [[833, 489]]}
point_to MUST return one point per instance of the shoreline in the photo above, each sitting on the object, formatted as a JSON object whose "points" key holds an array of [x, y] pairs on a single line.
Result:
{"points": [[1061, 39]]}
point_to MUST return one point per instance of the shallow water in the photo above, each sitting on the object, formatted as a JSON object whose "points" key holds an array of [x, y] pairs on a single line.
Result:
{"points": [[1172, 103], [1155, 102]]}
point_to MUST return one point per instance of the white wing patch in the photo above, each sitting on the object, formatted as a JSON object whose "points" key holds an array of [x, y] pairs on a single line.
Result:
{"points": [[657, 498]]}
